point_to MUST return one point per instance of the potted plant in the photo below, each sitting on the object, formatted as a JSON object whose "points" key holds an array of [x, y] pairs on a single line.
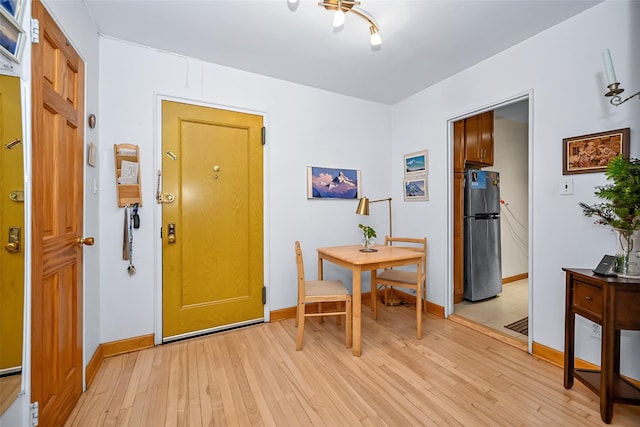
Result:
{"points": [[620, 210], [368, 233]]}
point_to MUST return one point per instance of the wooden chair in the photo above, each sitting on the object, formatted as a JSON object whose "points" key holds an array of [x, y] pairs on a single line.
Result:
{"points": [[319, 291], [404, 278]]}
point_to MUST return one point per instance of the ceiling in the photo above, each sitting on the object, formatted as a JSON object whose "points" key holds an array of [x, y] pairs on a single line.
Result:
{"points": [[424, 42]]}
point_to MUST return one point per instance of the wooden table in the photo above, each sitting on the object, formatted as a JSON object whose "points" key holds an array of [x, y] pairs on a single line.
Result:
{"points": [[350, 257], [613, 303]]}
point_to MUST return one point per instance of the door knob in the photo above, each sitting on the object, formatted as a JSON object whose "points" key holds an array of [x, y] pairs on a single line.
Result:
{"points": [[13, 246], [85, 241]]}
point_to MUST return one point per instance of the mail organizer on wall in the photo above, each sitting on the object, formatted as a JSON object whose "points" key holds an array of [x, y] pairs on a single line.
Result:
{"points": [[127, 161]]}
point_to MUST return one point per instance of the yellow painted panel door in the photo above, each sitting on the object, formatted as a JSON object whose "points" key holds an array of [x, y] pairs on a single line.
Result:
{"points": [[11, 215], [212, 233]]}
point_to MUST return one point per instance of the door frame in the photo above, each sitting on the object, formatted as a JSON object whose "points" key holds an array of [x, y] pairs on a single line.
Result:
{"points": [[449, 295], [157, 211]]}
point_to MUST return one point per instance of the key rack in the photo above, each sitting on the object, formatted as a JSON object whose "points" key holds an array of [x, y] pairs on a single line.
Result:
{"points": [[127, 192]]}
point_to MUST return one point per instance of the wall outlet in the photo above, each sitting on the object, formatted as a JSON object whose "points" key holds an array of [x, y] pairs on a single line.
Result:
{"points": [[595, 331]]}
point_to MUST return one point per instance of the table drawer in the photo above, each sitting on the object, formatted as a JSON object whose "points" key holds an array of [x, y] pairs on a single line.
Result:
{"points": [[587, 297]]}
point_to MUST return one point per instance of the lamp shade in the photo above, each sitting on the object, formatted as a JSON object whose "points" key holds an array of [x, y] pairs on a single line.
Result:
{"points": [[363, 206]]}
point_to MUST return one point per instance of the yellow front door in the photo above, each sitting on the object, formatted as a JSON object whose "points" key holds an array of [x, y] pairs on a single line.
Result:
{"points": [[11, 216], [212, 233]]}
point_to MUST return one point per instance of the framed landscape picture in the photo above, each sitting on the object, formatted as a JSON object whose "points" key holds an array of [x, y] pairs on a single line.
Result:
{"points": [[592, 153], [416, 163], [333, 183], [415, 189], [11, 37], [12, 8]]}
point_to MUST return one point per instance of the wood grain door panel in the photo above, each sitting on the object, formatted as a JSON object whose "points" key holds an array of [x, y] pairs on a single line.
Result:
{"points": [[58, 161]]}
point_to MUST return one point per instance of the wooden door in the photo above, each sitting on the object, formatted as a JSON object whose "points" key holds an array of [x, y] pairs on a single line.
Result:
{"points": [[213, 260], [58, 154], [458, 210], [11, 215]]}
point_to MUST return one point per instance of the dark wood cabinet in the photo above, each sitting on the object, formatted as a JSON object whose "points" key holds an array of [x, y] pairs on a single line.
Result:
{"points": [[478, 143], [613, 303], [458, 237], [458, 146]]}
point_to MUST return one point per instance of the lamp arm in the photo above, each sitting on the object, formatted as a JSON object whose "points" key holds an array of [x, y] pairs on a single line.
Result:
{"points": [[388, 199]]}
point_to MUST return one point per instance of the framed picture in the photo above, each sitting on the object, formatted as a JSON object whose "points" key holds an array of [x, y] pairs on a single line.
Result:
{"points": [[11, 37], [13, 8], [415, 189], [333, 183], [416, 163], [592, 153]]}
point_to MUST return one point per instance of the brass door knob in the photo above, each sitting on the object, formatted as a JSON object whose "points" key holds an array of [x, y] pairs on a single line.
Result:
{"points": [[86, 241], [11, 247]]}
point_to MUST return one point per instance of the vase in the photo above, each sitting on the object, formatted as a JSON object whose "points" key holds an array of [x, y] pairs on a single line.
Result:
{"points": [[627, 253], [368, 242]]}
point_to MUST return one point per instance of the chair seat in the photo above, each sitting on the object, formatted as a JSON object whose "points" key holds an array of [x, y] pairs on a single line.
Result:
{"points": [[400, 276], [324, 287]]}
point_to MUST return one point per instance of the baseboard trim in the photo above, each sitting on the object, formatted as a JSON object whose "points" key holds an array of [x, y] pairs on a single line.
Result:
{"points": [[94, 365], [290, 312], [115, 348], [515, 278], [556, 357], [128, 345]]}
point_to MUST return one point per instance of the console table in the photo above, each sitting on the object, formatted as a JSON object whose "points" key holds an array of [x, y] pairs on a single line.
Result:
{"points": [[614, 303]]}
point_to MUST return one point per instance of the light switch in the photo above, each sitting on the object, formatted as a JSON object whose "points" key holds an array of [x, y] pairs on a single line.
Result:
{"points": [[566, 186]]}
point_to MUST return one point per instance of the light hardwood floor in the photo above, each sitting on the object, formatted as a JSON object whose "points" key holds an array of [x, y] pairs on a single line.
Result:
{"points": [[252, 376]]}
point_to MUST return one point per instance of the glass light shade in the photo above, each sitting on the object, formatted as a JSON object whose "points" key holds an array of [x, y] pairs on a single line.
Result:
{"points": [[376, 40], [338, 19]]}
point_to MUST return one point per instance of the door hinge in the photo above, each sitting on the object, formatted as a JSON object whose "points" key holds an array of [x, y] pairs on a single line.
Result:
{"points": [[35, 31], [264, 135], [264, 295], [34, 414]]}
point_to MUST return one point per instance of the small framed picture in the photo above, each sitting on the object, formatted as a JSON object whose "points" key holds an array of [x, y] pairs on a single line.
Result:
{"points": [[11, 37], [333, 183], [13, 8], [415, 189], [592, 153], [416, 163]]}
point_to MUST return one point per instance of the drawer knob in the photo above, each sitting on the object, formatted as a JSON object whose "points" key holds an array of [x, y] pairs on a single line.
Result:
{"points": [[588, 298]]}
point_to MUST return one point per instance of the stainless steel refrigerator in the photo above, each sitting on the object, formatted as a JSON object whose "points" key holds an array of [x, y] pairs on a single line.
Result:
{"points": [[482, 255]]}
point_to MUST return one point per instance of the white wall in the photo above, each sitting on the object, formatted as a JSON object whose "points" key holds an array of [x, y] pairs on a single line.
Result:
{"points": [[305, 127], [511, 159], [563, 69]]}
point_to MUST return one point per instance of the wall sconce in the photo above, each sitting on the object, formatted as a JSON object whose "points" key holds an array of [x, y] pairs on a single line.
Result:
{"points": [[614, 86], [363, 209]]}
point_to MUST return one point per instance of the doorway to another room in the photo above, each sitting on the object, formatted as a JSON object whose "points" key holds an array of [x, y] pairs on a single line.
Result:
{"points": [[501, 136]]}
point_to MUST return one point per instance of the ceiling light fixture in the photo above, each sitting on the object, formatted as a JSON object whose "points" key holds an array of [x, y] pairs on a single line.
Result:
{"points": [[342, 7]]}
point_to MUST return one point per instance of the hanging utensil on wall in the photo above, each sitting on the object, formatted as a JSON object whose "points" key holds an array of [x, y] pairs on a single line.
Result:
{"points": [[127, 244]]}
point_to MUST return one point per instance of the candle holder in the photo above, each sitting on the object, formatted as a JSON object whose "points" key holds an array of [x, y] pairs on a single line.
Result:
{"points": [[614, 87], [614, 93]]}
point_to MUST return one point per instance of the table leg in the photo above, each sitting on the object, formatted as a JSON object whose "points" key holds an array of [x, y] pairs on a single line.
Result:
{"points": [[569, 334], [419, 303], [356, 300], [320, 272]]}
